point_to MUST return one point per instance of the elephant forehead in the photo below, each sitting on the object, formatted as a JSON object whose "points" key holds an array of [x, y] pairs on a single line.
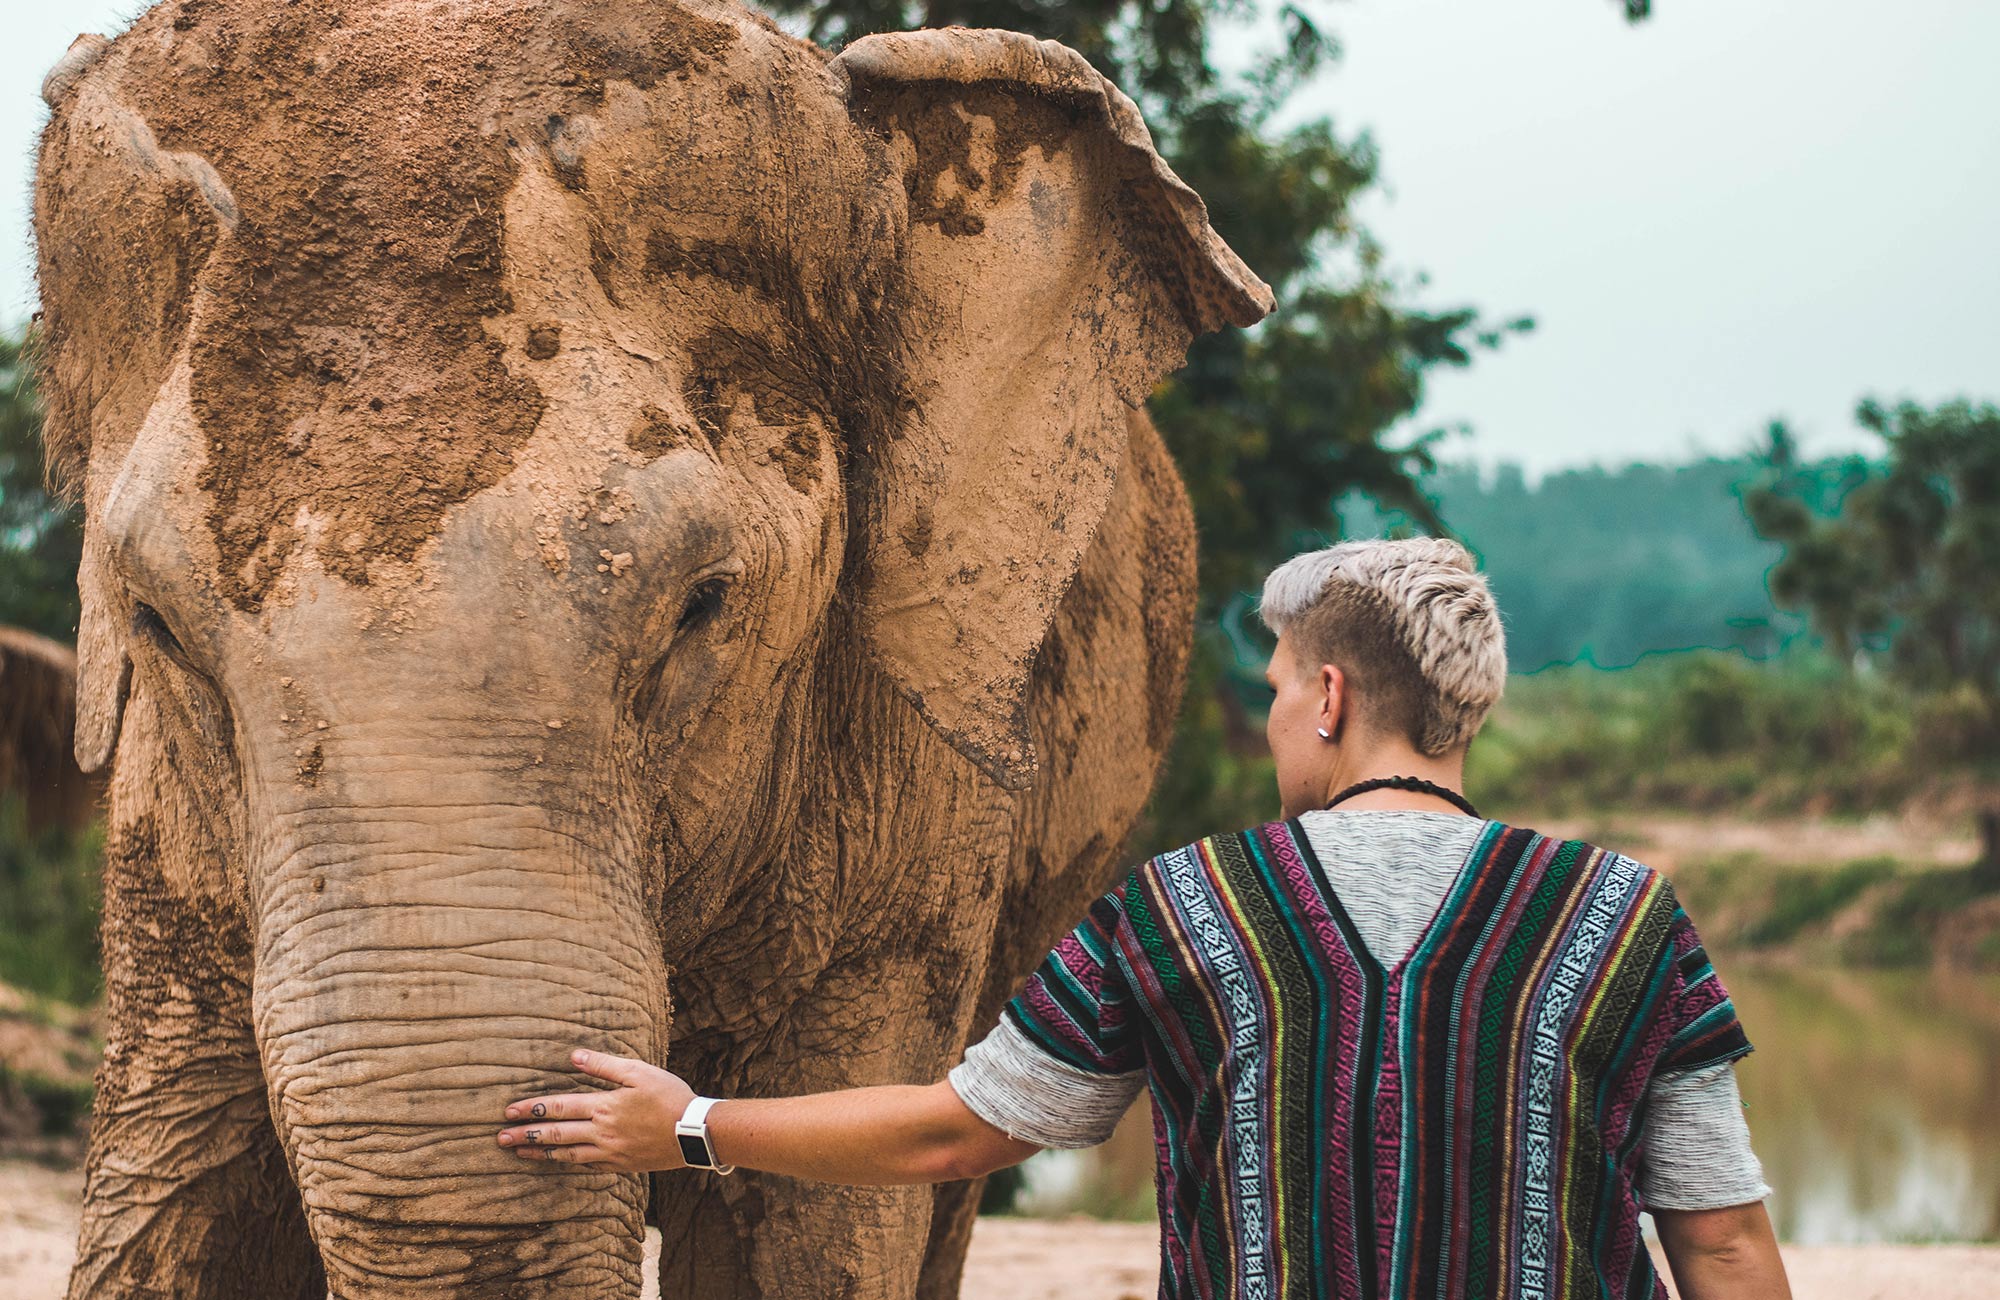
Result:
{"points": [[346, 350]]}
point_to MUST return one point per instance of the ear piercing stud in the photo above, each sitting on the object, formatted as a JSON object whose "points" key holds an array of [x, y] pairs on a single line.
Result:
{"points": [[1324, 734]]}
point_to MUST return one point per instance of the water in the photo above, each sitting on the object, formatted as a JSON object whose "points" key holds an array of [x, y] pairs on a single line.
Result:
{"points": [[1873, 1099]]}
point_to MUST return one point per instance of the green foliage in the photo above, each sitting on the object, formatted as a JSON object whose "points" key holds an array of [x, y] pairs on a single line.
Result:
{"points": [[40, 539], [1905, 571], [1218, 776], [49, 906], [1901, 931], [58, 1107], [1904, 574], [1808, 898], [1002, 1189], [1877, 913], [1699, 730]]}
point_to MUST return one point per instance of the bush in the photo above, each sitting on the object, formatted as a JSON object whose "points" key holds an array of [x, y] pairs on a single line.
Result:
{"points": [[56, 1107], [1701, 730]]}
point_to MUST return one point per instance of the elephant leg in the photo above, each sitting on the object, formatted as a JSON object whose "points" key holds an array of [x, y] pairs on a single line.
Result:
{"points": [[187, 1193], [758, 1236], [889, 1017], [953, 1214], [754, 1236]]}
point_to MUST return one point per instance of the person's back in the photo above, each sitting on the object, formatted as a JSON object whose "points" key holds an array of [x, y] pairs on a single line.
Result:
{"points": [[1390, 1053]]}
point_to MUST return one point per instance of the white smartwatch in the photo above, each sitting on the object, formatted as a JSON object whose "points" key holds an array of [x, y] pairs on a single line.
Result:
{"points": [[691, 1131]]}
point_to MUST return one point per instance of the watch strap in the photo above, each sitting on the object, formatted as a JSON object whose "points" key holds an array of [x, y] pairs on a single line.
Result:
{"points": [[691, 1131]]}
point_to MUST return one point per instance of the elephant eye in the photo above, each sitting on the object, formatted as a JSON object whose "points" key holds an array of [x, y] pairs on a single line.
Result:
{"points": [[704, 602], [702, 605], [147, 623], [192, 687]]}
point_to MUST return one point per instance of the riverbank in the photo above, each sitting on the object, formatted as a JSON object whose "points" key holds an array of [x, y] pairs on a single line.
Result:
{"points": [[48, 1051], [1037, 1259], [1892, 891]]}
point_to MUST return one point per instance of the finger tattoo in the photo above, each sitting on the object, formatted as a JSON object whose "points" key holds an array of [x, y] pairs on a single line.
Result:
{"points": [[539, 1110]]}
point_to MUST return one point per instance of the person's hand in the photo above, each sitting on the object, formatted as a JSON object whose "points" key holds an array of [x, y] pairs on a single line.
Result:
{"points": [[629, 1128]]}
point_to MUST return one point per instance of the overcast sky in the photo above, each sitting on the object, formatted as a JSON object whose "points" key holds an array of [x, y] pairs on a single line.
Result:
{"points": [[1740, 209]]}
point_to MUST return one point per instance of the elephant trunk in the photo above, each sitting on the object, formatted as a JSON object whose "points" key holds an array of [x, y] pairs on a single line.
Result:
{"points": [[421, 963]]}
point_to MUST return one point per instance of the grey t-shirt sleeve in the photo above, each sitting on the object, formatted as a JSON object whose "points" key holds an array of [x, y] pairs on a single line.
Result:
{"points": [[1697, 1152], [1028, 1094]]}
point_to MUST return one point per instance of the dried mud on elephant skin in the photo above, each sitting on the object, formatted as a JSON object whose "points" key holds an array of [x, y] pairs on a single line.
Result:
{"points": [[576, 492], [346, 310]]}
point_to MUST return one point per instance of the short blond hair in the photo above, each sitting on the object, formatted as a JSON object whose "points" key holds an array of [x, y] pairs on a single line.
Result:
{"points": [[1411, 623]]}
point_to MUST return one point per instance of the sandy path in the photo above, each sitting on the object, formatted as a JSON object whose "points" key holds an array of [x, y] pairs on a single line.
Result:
{"points": [[38, 1209], [1040, 1259]]}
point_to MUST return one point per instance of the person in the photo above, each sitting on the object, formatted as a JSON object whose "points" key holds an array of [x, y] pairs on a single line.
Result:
{"points": [[1393, 1048]]}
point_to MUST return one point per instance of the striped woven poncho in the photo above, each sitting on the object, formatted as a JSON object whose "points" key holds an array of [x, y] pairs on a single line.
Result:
{"points": [[1463, 1125]]}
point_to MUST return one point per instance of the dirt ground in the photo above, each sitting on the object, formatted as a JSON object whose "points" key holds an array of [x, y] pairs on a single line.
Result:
{"points": [[1041, 1259], [38, 1210]]}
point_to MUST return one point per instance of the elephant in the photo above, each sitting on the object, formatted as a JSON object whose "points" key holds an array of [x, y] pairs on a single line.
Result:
{"points": [[606, 525]]}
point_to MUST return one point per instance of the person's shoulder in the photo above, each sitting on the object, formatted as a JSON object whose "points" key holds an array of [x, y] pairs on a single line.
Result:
{"points": [[1600, 859], [1210, 843], [1197, 855], [1279, 831]]}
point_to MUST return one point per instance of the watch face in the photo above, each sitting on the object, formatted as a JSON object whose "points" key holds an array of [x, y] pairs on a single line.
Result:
{"points": [[693, 1150]]}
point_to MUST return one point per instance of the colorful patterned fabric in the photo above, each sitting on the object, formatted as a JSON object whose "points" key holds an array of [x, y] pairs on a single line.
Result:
{"points": [[1462, 1125]]}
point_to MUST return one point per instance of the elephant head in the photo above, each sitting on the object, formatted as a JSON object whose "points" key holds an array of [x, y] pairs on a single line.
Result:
{"points": [[505, 428]]}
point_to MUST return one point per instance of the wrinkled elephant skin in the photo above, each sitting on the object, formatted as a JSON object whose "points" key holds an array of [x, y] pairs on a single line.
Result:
{"points": [[608, 525]]}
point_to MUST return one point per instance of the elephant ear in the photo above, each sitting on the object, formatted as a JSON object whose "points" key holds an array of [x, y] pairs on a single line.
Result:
{"points": [[122, 229], [103, 667], [1056, 269]]}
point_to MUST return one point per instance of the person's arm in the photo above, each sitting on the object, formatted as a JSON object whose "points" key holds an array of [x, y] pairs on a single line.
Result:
{"points": [[1060, 1067], [1699, 1177], [891, 1134], [1725, 1254]]}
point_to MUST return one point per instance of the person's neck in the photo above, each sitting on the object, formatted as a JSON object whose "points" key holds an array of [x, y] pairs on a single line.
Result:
{"points": [[1395, 760]]}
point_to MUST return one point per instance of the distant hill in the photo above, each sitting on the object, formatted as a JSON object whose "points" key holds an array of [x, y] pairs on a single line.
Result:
{"points": [[1606, 565]]}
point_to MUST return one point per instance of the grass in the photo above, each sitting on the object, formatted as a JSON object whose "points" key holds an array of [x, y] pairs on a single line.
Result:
{"points": [[1702, 731], [1803, 899], [1901, 931], [1871, 913]]}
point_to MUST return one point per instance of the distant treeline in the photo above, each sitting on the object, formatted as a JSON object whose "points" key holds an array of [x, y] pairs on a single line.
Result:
{"points": [[1604, 566]]}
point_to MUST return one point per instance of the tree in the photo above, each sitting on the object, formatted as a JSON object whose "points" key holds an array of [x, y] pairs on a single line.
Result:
{"points": [[41, 539], [1269, 426], [1903, 575]]}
